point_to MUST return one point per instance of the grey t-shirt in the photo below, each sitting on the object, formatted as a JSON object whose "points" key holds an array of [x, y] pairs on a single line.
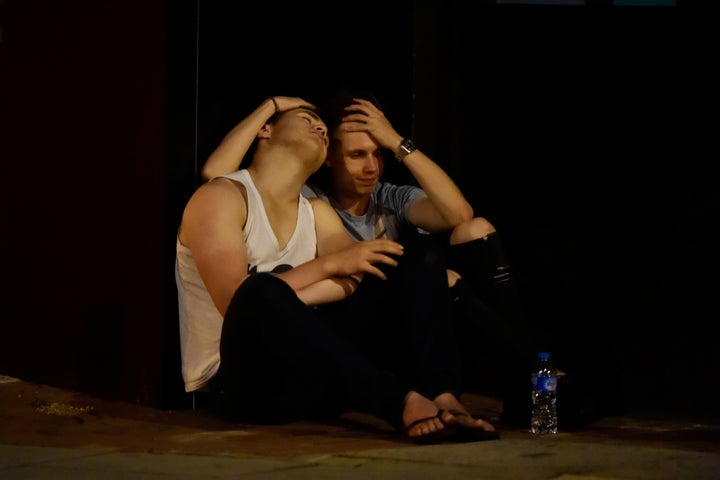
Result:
{"points": [[386, 213]]}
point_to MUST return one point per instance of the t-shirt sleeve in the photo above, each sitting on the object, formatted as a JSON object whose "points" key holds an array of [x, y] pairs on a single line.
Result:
{"points": [[308, 191], [398, 198]]}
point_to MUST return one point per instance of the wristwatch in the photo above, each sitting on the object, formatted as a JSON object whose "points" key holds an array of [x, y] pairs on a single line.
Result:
{"points": [[407, 146]]}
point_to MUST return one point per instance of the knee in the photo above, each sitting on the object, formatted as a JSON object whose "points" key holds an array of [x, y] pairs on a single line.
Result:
{"points": [[260, 287], [452, 277], [258, 282], [473, 229]]}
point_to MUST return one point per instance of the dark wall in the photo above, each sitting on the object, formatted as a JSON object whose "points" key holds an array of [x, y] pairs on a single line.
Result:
{"points": [[566, 126], [569, 128], [247, 53], [84, 197], [109, 109]]}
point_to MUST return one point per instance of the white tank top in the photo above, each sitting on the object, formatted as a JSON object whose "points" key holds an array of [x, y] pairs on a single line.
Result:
{"points": [[200, 321]]}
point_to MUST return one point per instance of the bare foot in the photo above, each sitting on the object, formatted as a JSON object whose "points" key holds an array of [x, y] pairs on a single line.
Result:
{"points": [[420, 416], [460, 415]]}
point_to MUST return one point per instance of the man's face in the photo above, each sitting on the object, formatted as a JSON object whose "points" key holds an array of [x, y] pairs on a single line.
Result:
{"points": [[302, 126], [356, 164]]}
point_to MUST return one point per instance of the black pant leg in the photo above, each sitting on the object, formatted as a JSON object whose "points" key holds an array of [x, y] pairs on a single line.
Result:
{"points": [[483, 265], [403, 323], [425, 312], [280, 362], [496, 356]]}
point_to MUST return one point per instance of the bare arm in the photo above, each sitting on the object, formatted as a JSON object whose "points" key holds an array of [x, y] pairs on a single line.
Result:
{"points": [[444, 205], [211, 228], [229, 154], [327, 278]]}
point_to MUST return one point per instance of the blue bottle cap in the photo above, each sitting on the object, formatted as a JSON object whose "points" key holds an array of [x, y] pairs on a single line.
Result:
{"points": [[543, 355]]}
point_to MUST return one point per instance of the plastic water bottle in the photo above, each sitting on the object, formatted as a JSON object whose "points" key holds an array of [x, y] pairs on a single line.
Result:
{"points": [[543, 417]]}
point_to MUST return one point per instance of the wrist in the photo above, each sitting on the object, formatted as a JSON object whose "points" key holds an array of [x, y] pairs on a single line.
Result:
{"points": [[406, 147], [274, 104]]}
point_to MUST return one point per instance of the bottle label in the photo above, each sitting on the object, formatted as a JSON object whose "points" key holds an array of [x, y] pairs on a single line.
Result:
{"points": [[544, 384]]}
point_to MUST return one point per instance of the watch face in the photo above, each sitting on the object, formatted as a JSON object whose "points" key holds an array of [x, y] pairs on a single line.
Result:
{"points": [[406, 148]]}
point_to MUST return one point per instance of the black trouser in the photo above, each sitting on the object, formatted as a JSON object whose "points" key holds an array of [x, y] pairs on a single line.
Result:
{"points": [[283, 361], [403, 323]]}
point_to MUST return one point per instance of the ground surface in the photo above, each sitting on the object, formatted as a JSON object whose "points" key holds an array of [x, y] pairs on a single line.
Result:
{"points": [[39, 415]]}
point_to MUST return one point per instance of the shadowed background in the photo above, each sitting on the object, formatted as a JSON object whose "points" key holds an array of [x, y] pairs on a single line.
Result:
{"points": [[571, 128]]}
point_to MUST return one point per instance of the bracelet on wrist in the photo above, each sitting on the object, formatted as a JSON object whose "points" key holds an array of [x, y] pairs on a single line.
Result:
{"points": [[277, 108]]}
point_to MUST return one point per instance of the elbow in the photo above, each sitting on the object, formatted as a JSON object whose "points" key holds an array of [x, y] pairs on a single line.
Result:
{"points": [[463, 214], [207, 174], [214, 167]]}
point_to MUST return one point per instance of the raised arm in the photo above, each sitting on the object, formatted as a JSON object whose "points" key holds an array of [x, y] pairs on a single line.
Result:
{"points": [[229, 154], [444, 205], [213, 219]]}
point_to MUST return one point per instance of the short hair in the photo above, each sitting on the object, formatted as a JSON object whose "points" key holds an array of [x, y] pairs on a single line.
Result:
{"points": [[333, 109]]}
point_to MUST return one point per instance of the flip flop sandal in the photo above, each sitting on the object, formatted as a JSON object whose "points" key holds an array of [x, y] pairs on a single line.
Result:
{"points": [[434, 437], [469, 434]]}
